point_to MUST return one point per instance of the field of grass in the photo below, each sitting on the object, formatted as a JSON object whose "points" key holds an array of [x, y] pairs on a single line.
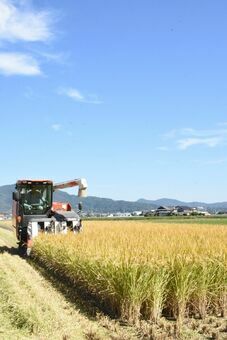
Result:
{"points": [[140, 270]]}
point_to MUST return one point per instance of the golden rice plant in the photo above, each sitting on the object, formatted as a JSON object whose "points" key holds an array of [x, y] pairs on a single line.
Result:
{"points": [[144, 270]]}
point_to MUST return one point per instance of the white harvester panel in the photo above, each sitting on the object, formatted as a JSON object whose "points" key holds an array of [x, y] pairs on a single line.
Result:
{"points": [[35, 229]]}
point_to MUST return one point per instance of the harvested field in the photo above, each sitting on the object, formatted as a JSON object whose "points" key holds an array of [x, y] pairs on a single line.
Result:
{"points": [[146, 271]]}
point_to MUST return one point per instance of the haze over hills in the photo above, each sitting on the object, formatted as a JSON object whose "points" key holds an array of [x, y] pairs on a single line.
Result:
{"points": [[107, 205]]}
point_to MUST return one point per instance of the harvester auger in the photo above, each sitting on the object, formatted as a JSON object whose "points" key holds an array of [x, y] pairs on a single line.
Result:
{"points": [[34, 210]]}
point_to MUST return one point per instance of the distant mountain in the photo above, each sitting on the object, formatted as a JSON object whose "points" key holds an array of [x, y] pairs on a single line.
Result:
{"points": [[102, 205], [107, 205], [90, 203], [222, 206], [162, 201], [6, 197]]}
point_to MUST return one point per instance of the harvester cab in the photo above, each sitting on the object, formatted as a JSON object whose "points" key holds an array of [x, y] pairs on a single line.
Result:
{"points": [[34, 210]]}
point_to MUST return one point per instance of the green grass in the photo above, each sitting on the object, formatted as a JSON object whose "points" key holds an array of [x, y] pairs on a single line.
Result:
{"points": [[211, 220]]}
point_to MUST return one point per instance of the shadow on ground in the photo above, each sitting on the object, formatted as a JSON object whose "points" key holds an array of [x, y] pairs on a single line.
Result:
{"points": [[87, 304], [14, 251], [9, 250]]}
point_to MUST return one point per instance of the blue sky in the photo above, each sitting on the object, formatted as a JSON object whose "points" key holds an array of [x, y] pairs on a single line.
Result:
{"points": [[131, 95]]}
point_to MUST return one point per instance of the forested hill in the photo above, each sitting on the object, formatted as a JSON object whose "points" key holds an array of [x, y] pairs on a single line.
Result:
{"points": [[90, 203], [107, 205]]}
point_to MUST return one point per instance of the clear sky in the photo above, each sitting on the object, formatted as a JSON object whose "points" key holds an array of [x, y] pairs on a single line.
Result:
{"points": [[130, 94]]}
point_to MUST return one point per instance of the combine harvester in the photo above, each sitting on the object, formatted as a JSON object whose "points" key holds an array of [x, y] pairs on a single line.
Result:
{"points": [[34, 210]]}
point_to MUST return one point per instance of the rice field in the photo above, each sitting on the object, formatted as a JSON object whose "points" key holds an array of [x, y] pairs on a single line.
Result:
{"points": [[141, 270]]}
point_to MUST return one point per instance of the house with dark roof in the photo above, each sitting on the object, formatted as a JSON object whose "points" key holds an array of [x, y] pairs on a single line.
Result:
{"points": [[184, 210], [164, 211]]}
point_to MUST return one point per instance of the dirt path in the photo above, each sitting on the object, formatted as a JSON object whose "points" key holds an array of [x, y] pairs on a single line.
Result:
{"points": [[30, 306]]}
